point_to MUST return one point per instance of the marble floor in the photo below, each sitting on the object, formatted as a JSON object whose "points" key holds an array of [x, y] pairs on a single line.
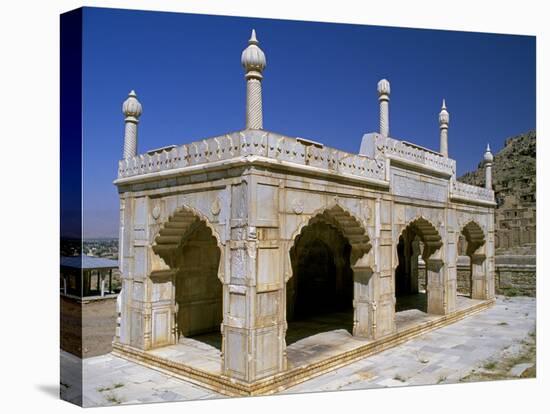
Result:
{"points": [[441, 356]]}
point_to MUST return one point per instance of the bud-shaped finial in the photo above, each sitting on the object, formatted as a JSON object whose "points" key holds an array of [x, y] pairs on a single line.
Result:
{"points": [[443, 130], [384, 89], [443, 116], [253, 58], [131, 108], [384, 100], [488, 156], [254, 62]]}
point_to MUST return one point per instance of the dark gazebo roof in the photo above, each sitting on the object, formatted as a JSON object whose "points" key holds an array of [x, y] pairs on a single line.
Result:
{"points": [[88, 262]]}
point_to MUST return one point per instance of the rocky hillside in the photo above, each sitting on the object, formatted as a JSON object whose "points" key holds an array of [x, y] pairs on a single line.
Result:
{"points": [[514, 170]]}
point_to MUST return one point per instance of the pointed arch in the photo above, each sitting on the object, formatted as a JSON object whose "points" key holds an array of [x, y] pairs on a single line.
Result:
{"points": [[406, 275], [173, 233], [427, 232], [347, 224], [353, 260], [475, 237]]}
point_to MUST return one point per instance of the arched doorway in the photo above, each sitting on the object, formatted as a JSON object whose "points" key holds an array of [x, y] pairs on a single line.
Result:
{"points": [[463, 279], [320, 293], [188, 246], [198, 290], [419, 239], [475, 240]]}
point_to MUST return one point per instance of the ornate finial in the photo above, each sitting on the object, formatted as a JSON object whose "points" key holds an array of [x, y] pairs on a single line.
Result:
{"points": [[384, 88], [253, 40], [444, 116], [131, 108], [253, 58], [384, 101], [488, 156], [254, 62], [443, 130]]}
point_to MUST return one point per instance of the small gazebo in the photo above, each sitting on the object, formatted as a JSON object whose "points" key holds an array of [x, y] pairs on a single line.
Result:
{"points": [[87, 276]]}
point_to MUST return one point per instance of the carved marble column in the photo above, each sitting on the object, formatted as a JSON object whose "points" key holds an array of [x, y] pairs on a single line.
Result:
{"points": [[435, 286], [254, 324], [479, 276], [415, 248], [382, 281], [135, 323], [364, 302]]}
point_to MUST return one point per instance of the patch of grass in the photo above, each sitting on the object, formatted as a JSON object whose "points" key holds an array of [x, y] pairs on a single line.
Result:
{"points": [[490, 365], [511, 292], [441, 379], [399, 378], [113, 399], [530, 372], [500, 369], [114, 386]]}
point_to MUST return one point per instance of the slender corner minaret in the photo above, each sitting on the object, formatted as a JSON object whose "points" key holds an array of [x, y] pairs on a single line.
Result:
{"points": [[384, 99], [131, 108], [254, 62], [444, 130], [488, 163]]}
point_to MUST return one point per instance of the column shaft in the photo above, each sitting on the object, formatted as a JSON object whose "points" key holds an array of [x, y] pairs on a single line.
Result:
{"points": [[130, 140], [254, 114]]}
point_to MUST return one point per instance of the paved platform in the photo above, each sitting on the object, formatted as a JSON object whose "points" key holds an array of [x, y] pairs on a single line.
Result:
{"points": [[445, 355]]}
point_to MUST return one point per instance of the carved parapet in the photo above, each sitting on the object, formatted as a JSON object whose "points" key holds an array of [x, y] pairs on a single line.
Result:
{"points": [[471, 194], [413, 155], [254, 147]]}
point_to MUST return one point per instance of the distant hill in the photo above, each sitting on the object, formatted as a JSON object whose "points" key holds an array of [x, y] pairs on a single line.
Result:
{"points": [[514, 169], [514, 182]]}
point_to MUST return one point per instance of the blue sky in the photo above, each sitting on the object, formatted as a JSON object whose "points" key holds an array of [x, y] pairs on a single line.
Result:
{"points": [[320, 83]]}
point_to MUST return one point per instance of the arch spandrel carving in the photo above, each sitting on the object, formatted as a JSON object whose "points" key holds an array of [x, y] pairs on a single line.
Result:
{"points": [[172, 235], [475, 237], [429, 234], [352, 227]]}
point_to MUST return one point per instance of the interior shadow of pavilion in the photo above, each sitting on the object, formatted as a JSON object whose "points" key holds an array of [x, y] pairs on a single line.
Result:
{"points": [[198, 289], [320, 292]]}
